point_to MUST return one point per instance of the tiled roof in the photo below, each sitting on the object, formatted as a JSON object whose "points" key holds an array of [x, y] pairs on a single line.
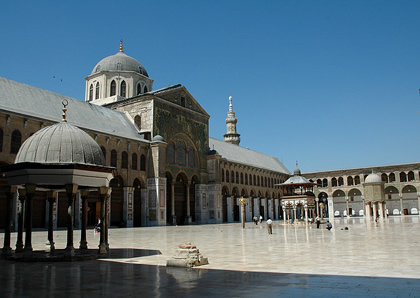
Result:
{"points": [[235, 153], [38, 103]]}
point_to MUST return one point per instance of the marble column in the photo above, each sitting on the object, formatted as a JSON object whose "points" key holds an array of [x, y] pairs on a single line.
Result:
{"points": [[10, 192], [83, 243], [306, 214], [375, 209], [381, 210], [104, 193], [51, 196], [401, 205], [71, 190], [368, 211]]}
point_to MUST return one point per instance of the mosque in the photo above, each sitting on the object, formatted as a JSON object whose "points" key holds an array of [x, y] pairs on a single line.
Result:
{"points": [[168, 171]]}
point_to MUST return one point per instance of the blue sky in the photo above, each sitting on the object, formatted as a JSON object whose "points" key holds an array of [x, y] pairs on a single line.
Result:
{"points": [[331, 84]]}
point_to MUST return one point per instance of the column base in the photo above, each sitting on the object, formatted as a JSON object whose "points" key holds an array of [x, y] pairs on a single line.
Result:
{"points": [[83, 245], [27, 251], [50, 246], [19, 247], [174, 220], [103, 249], [6, 251], [69, 251]]}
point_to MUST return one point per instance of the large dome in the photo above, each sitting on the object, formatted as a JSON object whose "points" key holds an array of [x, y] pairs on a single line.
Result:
{"points": [[120, 62], [61, 143]]}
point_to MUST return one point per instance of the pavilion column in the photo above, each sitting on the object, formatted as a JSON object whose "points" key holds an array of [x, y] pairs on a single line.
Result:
{"points": [[173, 202], [83, 243], [71, 190], [10, 192], [51, 196], [294, 213], [375, 209], [368, 210], [306, 214], [188, 203], [401, 204], [284, 215], [19, 242], [104, 193], [381, 210], [30, 192]]}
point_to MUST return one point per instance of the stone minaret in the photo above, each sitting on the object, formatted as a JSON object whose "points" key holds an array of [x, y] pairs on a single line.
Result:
{"points": [[231, 136]]}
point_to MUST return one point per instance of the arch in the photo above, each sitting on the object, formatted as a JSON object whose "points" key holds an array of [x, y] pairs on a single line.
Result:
{"points": [[255, 180], [223, 175], [123, 89], [180, 153], [97, 91], [138, 88], [145, 89], [410, 176], [137, 121], [403, 177], [354, 192], [384, 177], [356, 180], [246, 179], [242, 178], [391, 190], [113, 88], [181, 183], [340, 181], [232, 176], [319, 183], [409, 189], [334, 182], [391, 177], [191, 157], [124, 160], [114, 158], [90, 92], [349, 180], [143, 163], [338, 193], [227, 176], [117, 201], [137, 206], [134, 161], [15, 142], [237, 178], [244, 192], [171, 153]]}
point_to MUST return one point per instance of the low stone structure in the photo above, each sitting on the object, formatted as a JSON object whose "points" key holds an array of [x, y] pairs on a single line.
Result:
{"points": [[188, 255]]}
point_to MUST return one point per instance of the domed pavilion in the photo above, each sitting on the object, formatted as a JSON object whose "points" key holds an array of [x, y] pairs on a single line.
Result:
{"points": [[57, 158]]}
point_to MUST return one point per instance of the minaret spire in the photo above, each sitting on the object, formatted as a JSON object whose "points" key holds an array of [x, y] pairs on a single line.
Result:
{"points": [[231, 136]]}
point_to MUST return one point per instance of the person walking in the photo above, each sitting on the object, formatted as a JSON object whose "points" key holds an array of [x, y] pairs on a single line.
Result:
{"points": [[261, 218], [270, 226]]}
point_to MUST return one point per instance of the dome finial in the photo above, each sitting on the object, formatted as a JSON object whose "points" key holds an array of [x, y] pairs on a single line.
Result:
{"points": [[121, 45], [65, 104]]}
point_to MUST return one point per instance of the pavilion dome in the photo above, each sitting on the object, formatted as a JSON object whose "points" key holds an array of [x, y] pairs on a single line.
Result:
{"points": [[61, 143], [373, 178], [120, 62], [297, 172]]}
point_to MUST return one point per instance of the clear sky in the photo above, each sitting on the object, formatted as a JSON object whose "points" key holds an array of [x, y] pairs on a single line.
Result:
{"points": [[330, 84]]}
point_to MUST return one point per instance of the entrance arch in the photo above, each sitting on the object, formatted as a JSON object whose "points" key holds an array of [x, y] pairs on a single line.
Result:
{"points": [[181, 183], [117, 201], [137, 203]]}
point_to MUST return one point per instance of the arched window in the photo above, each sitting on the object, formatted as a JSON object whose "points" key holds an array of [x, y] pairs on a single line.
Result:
{"points": [[16, 141], [137, 121], [142, 162], [183, 101], [391, 177], [349, 180], [258, 181], [237, 177], [180, 154], [134, 161], [384, 178], [255, 180], [113, 88], [138, 88], [340, 181], [113, 158], [319, 182], [246, 179], [123, 89], [223, 175], [227, 176], [103, 152], [171, 153], [242, 178], [265, 181], [325, 182], [145, 89], [97, 91], [1, 140], [90, 92], [410, 176], [403, 177], [124, 160], [356, 180], [191, 154]]}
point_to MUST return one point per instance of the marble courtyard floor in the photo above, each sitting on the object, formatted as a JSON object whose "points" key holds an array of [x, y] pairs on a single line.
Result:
{"points": [[367, 260]]}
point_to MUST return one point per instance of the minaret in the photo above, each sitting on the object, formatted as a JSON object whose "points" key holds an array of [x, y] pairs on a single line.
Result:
{"points": [[231, 136]]}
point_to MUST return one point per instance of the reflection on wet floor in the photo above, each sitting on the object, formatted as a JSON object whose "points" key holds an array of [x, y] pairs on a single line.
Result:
{"points": [[369, 259]]}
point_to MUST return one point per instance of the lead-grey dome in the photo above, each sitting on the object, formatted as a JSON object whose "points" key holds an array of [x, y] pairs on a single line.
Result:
{"points": [[120, 62], [61, 143]]}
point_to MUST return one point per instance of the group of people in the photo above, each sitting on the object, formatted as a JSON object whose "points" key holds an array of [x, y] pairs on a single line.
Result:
{"points": [[318, 222], [270, 223]]}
